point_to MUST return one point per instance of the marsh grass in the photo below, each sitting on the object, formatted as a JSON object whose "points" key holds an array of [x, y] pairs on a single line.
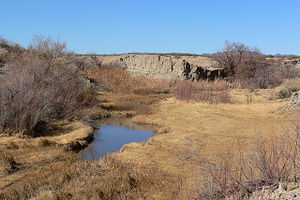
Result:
{"points": [[213, 92], [118, 80]]}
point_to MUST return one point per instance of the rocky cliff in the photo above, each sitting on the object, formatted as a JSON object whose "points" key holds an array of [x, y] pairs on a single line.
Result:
{"points": [[163, 66]]}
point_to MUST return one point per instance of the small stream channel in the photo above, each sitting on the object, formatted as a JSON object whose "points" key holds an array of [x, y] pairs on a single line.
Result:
{"points": [[111, 134]]}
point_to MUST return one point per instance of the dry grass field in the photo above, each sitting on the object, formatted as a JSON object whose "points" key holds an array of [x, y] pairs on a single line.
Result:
{"points": [[160, 168], [187, 128]]}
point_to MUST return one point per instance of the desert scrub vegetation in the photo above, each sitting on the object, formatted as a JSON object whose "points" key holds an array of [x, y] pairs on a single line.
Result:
{"points": [[249, 69], [40, 85], [288, 87], [116, 79], [213, 92], [9, 50], [237, 174]]}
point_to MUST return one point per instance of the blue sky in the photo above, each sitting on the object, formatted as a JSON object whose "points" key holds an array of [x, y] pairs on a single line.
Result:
{"points": [[121, 26]]}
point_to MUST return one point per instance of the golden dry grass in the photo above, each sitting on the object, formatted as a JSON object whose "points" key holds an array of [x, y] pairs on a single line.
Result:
{"points": [[118, 80], [212, 128], [157, 169]]}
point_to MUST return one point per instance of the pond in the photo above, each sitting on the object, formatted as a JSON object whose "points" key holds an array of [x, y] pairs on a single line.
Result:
{"points": [[111, 134]]}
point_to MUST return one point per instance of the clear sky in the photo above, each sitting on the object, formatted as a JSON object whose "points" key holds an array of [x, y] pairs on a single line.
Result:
{"points": [[121, 26]]}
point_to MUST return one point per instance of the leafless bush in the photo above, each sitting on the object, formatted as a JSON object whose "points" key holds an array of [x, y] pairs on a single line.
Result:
{"points": [[48, 49], [9, 51], [249, 67], [212, 92], [234, 56], [32, 91], [249, 167]]}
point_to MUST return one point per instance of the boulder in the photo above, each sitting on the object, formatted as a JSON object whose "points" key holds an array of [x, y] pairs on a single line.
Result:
{"points": [[294, 103]]}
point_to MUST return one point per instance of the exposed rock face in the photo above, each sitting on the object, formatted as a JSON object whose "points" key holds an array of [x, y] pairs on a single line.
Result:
{"points": [[292, 63], [168, 66], [284, 191], [165, 66], [294, 103]]}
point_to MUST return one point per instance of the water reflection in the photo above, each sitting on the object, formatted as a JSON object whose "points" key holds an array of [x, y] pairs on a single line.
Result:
{"points": [[111, 135]]}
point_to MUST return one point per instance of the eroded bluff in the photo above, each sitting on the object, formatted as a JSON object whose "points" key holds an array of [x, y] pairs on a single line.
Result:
{"points": [[192, 67]]}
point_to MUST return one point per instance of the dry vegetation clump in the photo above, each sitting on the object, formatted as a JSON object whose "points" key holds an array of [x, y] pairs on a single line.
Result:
{"points": [[239, 173], [118, 80], [40, 86], [70, 178], [212, 92], [7, 163], [288, 88], [132, 103], [249, 68], [9, 51]]}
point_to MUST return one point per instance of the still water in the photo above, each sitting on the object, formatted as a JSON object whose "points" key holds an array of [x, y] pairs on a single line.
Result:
{"points": [[111, 134]]}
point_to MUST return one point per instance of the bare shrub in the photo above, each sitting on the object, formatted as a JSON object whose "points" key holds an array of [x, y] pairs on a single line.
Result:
{"points": [[249, 168], [9, 51], [184, 90], [32, 91], [235, 55], [249, 67], [48, 49], [212, 92]]}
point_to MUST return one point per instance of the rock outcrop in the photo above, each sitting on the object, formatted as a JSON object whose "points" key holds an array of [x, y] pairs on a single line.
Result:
{"points": [[168, 66], [284, 191], [294, 103], [192, 67], [292, 63]]}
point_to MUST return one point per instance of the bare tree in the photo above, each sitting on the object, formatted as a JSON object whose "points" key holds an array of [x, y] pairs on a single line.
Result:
{"points": [[48, 49], [234, 56], [248, 66]]}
